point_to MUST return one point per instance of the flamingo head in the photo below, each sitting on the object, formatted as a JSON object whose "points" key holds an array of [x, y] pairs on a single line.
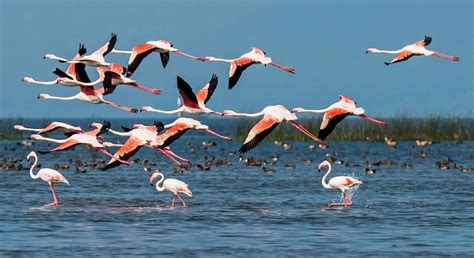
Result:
{"points": [[27, 79], [371, 50], [35, 137], [31, 154], [154, 176], [49, 56], [297, 110], [210, 58], [229, 113], [146, 108], [18, 127], [43, 96], [323, 164], [96, 125]]}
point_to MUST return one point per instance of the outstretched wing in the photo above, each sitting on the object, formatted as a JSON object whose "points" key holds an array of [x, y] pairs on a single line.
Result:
{"points": [[206, 92], [424, 42], [236, 69], [107, 47], [261, 130], [187, 93], [402, 56], [129, 148], [61, 74], [63, 146], [138, 54], [330, 120], [165, 57]]}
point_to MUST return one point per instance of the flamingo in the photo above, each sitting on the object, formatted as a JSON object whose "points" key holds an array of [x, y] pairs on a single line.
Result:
{"points": [[91, 95], [139, 52], [89, 138], [193, 103], [336, 113], [415, 49], [342, 183], [94, 59], [173, 185], [75, 74], [48, 175], [115, 75], [272, 116], [66, 128], [238, 65]]}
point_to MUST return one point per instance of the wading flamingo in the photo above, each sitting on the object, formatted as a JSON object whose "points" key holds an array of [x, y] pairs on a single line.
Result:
{"points": [[89, 138], [238, 65], [94, 59], [173, 185], [67, 129], [91, 95], [342, 183], [194, 104], [272, 116], [336, 113], [48, 175], [138, 53], [115, 75], [415, 49]]}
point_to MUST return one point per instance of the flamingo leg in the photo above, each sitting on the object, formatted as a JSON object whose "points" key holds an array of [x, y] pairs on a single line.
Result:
{"points": [[284, 68], [169, 156], [452, 58], [190, 56], [305, 131], [132, 110], [141, 87], [371, 119], [55, 198], [172, 200], [182, 201], [112, 156], [218, 135], [177, 156]]}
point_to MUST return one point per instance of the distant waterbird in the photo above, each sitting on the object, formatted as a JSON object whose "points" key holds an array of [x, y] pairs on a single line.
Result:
{"points": [[173, 185]]}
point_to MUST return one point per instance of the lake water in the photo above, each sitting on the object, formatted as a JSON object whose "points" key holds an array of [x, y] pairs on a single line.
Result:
{"points": [[239, 210]]}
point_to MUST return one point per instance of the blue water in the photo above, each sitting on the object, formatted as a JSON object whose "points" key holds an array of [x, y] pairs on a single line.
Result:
{"points": [[239, 210]]}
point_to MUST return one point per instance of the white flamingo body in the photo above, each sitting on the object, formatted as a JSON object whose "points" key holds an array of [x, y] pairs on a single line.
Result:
{"points": [[343, 183], [173, 185], [48, 175]]}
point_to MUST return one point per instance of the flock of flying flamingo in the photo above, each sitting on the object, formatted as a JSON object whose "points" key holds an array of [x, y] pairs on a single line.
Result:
{"points": [[159, 136]]}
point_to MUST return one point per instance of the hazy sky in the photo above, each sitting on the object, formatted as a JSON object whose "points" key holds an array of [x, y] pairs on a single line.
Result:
{"points": [[325, 41]]}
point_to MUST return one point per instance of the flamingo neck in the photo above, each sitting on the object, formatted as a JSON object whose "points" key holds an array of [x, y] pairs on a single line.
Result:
{"points": [[42, 138], [180, 109], [387, 51], [32, 167], [221, 60], [323, 180], [314, 110], [44, 83], [119, 133], [121, 51], [62, 98], [247, 114], [22, 128], [158, 187], [101, 79]]}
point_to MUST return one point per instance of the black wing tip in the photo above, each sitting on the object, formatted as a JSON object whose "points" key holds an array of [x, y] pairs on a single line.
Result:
{"points": [[159, 125], [214, 78], [427, 40], [106, 124], [386, 63], [126, 129], [113, 36], [82, 49]]}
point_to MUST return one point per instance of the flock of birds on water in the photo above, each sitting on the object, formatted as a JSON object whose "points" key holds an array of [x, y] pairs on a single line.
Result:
{"points": [[159, 136]]}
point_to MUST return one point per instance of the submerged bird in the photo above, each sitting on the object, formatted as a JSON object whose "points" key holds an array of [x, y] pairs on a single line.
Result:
{"points": [[336, 113], [139, 52], [342, 183], [272, 117], [238, 65], [194, 104], [415, 49], [94, 59], [48, 175], [173, 185]]}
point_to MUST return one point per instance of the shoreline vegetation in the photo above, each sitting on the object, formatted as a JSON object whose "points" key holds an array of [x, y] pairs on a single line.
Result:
{"points": [[399, 128], [434, 128]]}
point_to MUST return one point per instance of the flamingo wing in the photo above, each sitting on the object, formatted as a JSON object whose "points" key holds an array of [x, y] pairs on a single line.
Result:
{"points": [[330, 119], [129, 148], [79, 69], [425, 42], [206, 92], [263, 128], [88, 90], [54, 126], [236, 69], [107, 47], [108, 86], [187, 93], [61, 74], [63, 146], [402, 56], [173, 133], [138, 54], [165, 57]]}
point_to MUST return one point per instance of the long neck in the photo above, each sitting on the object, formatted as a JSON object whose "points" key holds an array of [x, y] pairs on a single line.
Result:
{"points": [[221, 60], [388, 51], [42, 138], [302, 110], [180, 109], [32, 167], [53, 57], [121, 51], [44, 83], [119, 133], [158, 187], [22, 128], [247, 114], [62, 98], [323, 180], [101, 79]]}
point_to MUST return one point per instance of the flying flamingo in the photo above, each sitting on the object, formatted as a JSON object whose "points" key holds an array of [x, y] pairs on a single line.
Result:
{"points": [[139, 52], [193, 103], [272, 116], [48, 175], [342, 183], [238, 65], [91, 95], [89, 138], [75, 74], [415, 49], [94, 59], [173, 185], [336, 113], [67, 129]]}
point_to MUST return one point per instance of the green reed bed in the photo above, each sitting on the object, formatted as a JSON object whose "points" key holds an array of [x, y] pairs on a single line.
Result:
{"points": [[355, 129], [6, 129]]}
